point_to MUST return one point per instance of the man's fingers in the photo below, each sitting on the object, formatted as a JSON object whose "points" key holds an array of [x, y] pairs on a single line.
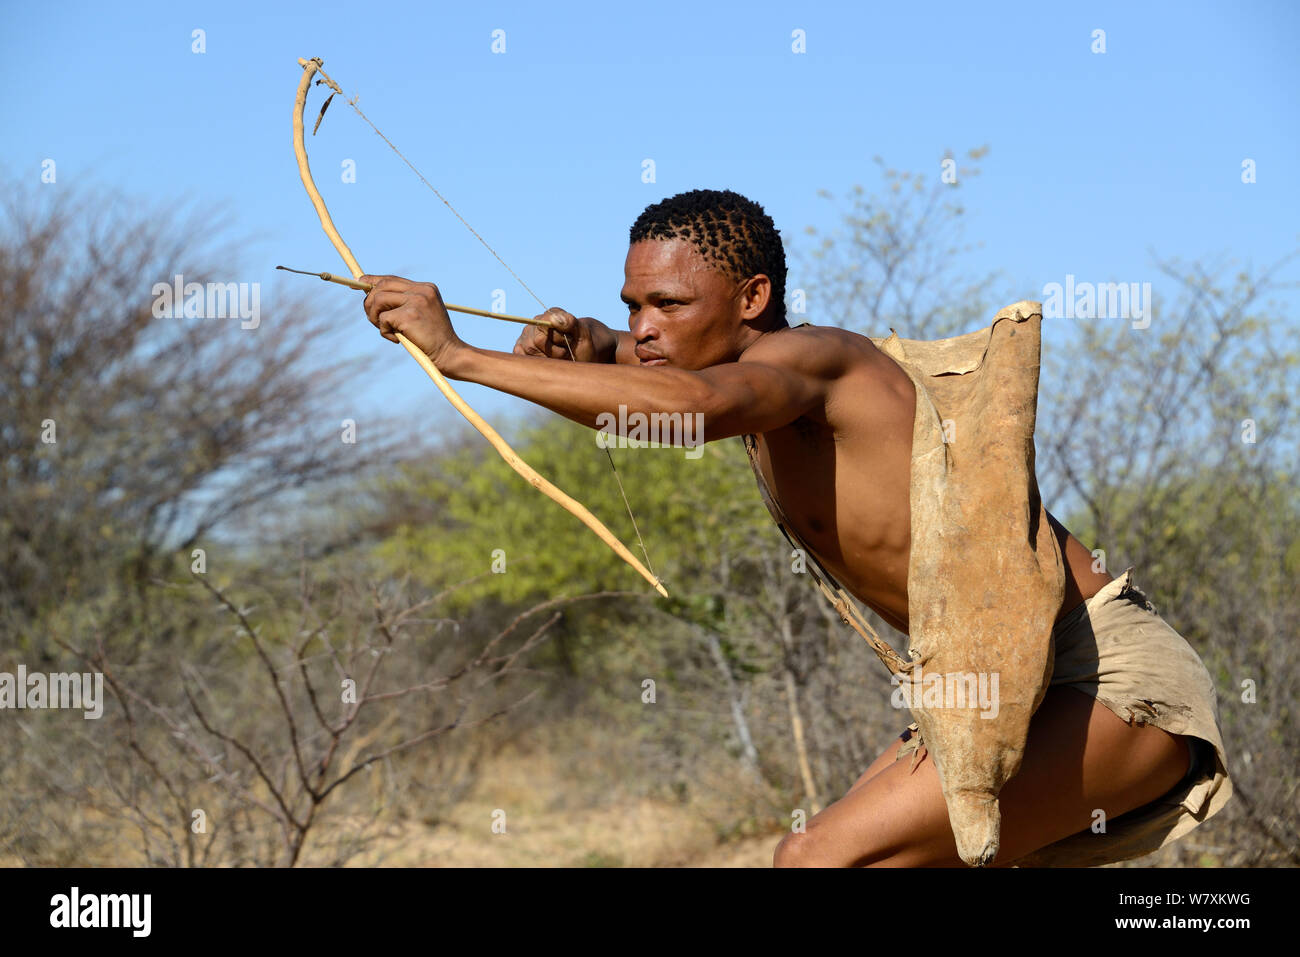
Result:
{"points": [[386, 308], [564, 334], [380, 300], [389, 282], [560, 320], [549, 343], [531, 342]]}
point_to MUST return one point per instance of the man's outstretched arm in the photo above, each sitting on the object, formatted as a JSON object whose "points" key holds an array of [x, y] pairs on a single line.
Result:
{"points": [[774, 384], [734, 398]]}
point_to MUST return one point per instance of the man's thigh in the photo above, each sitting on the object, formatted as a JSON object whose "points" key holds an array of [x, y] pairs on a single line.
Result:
{"points": [[886, 759], [1079, 757]]}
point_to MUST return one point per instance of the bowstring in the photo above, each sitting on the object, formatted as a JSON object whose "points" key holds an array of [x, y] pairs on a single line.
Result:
{"points": [[352, 102]]}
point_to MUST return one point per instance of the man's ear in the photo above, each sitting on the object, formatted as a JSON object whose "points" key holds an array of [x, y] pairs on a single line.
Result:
{"points": [[755, 296]]}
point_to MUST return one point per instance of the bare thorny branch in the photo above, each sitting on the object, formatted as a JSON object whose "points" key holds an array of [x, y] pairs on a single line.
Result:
{"points": [[309, 770]]}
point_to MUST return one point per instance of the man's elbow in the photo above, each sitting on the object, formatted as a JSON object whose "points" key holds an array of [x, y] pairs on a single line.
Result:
{"points": [[731, 415]]}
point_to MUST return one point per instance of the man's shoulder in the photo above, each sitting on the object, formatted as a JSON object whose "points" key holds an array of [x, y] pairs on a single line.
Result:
{"points": [[846, 360], [810, 347]]}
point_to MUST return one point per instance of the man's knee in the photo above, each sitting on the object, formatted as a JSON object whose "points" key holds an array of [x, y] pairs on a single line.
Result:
{"points": [[797, 850], [819, 846], [810, 850]]}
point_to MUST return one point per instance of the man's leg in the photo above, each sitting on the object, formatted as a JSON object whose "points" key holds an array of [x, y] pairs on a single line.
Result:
{"points": [[886, 759], [1079, 757]]}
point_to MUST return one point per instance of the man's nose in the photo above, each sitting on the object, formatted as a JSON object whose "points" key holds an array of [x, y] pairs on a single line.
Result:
{"points": [[642, 326]]}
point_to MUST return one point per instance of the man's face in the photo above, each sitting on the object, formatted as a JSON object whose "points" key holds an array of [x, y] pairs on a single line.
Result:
{"points": [[683, 311]]}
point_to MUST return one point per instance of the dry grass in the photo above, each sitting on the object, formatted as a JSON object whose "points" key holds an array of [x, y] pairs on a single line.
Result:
{"points": [[568, 809]]}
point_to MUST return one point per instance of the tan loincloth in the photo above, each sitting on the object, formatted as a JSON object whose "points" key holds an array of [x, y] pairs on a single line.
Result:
{"points": [[1117, 649]]}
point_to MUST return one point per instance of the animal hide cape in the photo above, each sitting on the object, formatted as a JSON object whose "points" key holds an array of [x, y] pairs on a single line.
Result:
{"points": [[985, 578]]}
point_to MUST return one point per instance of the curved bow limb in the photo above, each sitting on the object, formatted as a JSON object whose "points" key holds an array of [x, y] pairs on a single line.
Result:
{"points": [[309, 69]]}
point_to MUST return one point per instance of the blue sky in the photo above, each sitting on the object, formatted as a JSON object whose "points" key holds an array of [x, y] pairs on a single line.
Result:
{"points": [[1095, 160]]}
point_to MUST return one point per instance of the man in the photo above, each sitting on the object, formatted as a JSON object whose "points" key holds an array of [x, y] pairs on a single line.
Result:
{"points": [[832, 416]]}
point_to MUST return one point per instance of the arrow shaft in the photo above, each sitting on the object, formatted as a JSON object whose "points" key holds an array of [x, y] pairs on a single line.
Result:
{"points": [[467, 310]]}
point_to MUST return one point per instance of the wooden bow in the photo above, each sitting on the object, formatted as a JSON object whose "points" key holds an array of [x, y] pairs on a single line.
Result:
{"points": [[309, 70]]}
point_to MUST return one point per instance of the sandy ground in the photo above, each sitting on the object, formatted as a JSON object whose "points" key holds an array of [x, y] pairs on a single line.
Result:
{"points": [[640, 835], [546, 824]]}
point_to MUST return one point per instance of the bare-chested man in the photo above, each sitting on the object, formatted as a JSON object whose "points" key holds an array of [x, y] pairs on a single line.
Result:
{"points": [[705, 287]]}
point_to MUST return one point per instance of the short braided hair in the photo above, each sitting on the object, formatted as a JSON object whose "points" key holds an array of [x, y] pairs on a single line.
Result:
{"points": [[730, 231]]}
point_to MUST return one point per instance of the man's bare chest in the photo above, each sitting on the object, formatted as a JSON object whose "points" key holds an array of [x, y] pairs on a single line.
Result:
{"points": [[848, 507]]}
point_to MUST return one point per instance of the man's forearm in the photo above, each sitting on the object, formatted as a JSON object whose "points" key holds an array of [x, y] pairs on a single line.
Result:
{"points": [[581, 391]]}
